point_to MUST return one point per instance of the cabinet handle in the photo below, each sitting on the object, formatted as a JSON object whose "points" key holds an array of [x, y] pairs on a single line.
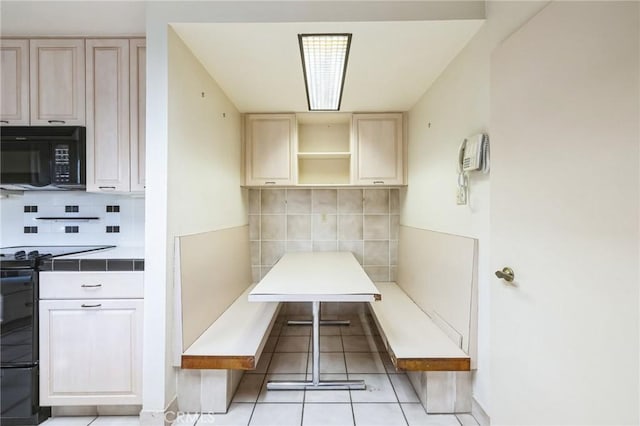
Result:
{"points": [[91, 285], [97, 305], [107, 187], [270, 183], [57, 122], [4, 121], [376, 182]]}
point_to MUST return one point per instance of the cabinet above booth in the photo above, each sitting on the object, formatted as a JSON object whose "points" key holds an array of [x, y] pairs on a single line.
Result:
{"points": [[327, 149]]}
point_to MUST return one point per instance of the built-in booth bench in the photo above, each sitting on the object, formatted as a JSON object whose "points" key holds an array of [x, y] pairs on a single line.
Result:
{"points": [[219, 333], [427, 318]]}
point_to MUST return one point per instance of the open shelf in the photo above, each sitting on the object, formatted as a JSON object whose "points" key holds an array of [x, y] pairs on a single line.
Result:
{"points": [[323, 155], [324, 148], [326, 171]]}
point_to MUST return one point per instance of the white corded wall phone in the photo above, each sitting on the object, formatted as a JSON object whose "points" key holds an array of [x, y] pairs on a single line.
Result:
{"points": [[473, 155]]}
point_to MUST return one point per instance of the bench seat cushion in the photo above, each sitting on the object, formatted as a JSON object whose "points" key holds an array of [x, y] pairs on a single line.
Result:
{"points": [[236, 339], [413, 340]]}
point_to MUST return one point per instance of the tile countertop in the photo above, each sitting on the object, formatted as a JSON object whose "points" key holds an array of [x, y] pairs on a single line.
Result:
{"points": [[111, 259], [109, 253]]}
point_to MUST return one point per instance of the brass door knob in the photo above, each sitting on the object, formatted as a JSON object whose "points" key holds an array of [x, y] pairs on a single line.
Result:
{"points": [[506, 274]]}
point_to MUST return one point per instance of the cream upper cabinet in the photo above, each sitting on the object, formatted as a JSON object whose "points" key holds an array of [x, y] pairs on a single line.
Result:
{"points": [[14, 82], [270, 149], [137, 87], [57, 82], [116, 108], [108, 115], [379, 149]]}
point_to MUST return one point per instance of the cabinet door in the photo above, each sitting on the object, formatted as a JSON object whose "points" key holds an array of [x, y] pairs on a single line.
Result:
{"points": [[57, 82], [379, 151], [14, 82], [108, 115], [137, 76], [269, 151], [90, 352]]}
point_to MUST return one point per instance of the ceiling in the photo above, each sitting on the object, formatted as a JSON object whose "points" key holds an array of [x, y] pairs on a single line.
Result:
{"points": [[390, 66]]}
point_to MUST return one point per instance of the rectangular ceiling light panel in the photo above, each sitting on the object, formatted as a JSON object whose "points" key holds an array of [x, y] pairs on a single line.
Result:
{"points": [[324, 63]]}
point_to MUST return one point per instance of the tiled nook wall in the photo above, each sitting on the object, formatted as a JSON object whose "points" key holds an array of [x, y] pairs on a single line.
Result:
{"points": [[362, 221]]}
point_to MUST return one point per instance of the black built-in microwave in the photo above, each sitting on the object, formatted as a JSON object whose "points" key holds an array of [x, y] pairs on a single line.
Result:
{"points": [[42, 157]]}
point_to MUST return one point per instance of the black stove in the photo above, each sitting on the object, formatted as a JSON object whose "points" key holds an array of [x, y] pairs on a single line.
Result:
{"points": [[19, 290], [31, 256]]}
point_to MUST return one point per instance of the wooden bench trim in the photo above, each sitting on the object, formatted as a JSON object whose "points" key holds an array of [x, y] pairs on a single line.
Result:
{"points": [[433, 364], [218, 362]]}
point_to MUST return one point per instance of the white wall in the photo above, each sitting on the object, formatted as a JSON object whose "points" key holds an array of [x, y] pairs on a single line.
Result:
{"points": [[72, 18], [456, 106], [205, 147]]}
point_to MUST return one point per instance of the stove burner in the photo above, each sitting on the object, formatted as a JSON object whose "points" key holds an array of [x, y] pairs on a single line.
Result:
{"points": [[33, 256], [22, 255]]}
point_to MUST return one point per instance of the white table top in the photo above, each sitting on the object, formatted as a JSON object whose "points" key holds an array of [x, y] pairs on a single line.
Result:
{"points": [[316, 277]]}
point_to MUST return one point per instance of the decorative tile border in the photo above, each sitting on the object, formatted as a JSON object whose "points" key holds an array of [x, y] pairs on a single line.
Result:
{"points": [[108, 223]]}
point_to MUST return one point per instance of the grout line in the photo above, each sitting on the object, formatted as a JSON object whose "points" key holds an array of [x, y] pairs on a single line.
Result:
{"points": [[197, 420], [304, 392], [353, 414], [389, 239], [394, 389]]}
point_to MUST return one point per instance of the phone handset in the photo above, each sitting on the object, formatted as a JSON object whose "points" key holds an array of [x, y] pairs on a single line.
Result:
{"points": [[473, 155]]}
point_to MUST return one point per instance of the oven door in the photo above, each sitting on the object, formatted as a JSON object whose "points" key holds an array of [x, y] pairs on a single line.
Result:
{"points": [[18, 314], [25, 162]]}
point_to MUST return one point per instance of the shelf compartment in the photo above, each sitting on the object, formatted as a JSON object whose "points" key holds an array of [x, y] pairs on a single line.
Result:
{"points": [[324, 155], [324, 137], [324, 171]]}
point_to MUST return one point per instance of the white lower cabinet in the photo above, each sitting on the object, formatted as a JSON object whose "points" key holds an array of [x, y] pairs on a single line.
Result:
{"points": [[90, 348]]}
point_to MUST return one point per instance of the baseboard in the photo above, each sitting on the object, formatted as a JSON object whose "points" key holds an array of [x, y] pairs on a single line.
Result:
{"points": [[119, 410], [72, 411], [93, 410], [479, 414], [160, 418]]}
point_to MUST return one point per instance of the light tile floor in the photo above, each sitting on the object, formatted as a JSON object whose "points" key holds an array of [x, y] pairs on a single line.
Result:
{"points": [[347, 352]]}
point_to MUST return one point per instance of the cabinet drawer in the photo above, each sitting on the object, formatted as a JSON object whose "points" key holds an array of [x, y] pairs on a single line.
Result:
{"points": [[91, 285]]}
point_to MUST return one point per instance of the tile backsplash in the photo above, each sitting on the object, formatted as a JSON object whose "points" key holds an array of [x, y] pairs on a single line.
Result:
{"points": [[362, 221], [116, 219]]}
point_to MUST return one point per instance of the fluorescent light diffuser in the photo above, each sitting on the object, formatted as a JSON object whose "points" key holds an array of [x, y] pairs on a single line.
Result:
{"points": [[324, 63]]}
